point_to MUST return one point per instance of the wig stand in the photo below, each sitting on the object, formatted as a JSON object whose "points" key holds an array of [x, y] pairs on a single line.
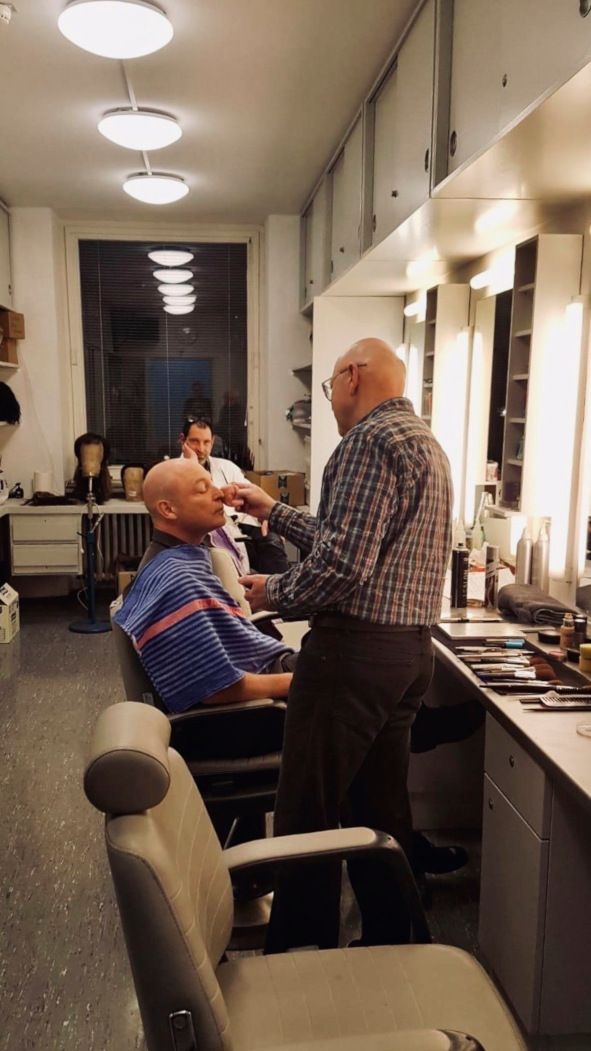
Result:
{"points": [[90, 626]]}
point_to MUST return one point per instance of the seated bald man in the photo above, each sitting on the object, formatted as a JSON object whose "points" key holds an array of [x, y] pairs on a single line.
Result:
{"points": [[192, 638]]}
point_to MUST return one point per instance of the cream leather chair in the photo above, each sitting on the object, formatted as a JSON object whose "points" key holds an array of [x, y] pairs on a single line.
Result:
{"points": [[172, 882]]}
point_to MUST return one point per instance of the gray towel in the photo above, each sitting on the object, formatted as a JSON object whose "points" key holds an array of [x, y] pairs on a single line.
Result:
{"points": [[531, 605]]}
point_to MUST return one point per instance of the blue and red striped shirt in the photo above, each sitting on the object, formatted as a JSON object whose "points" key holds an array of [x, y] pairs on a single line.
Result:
{"points": [[191, 636]]}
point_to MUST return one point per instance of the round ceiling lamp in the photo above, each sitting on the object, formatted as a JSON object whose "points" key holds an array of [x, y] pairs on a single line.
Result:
{"points": [[171, 257], [115, 28], [176, 290], [174, 309], [181, 301], [173, 277], [155, 187], [139, 129]]}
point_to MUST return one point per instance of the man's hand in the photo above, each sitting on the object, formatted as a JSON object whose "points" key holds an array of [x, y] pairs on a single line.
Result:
{"points": [[254, 587], [189, 453], [253, 500]]}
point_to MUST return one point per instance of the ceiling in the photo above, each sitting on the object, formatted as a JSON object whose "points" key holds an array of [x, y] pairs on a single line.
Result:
{"points": [[264, 90]]}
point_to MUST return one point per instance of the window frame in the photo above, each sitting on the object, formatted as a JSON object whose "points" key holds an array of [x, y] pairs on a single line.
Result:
{"points": [[154, 234]]}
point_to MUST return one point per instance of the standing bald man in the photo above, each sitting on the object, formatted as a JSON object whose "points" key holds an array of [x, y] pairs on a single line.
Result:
{"points": [[372, 582]]}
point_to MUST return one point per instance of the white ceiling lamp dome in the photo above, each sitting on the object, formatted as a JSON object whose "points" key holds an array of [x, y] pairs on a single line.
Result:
{"points": [[181, 301], [174, 309], [155, 187], [173, 277], [176, 290], [116, 28], [140, 129], [171, 257]]}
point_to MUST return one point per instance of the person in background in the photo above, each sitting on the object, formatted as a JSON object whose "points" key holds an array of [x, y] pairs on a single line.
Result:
{"points": [[372, 582], [265, 549]]}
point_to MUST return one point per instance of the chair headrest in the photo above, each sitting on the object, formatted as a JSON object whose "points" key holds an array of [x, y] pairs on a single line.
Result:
{"points": [[128, 769]]}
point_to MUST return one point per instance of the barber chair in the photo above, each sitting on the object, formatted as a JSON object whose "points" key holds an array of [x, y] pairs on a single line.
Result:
{"points": [[173, 886]]}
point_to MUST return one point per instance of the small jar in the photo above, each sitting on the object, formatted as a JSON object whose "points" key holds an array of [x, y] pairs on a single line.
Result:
{"points": [[585, 657]]}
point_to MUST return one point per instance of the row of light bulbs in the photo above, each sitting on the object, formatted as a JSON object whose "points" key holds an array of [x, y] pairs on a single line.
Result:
{"points": [[178, 296], [124, 29]]}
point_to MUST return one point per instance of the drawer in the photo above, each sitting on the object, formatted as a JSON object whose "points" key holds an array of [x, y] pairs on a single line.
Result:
{"points": [[518, 776], [46, 558], [512, 903], [44, 527]]}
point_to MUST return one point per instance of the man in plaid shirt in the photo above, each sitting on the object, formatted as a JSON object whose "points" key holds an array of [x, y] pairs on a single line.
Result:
{"points": [[372, 583]]}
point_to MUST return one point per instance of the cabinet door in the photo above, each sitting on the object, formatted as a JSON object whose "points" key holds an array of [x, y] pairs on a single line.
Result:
{"points": [[346, 203], [5, 290], [315, 221], [512, 902], [402, 136], [475, 100], [544, 42]]}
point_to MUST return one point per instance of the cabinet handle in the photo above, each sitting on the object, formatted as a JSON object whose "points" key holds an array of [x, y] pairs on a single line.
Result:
{"points": [[491, 805], [374, 223], [311, 281], [511, 761], [453, 143], [504, 80], [393, 193], [342, 250], [426, 160], [584, 8], [332, 266]]}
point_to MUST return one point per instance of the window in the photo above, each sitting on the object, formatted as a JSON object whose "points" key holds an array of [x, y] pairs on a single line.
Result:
{"points": [[145, 369]]}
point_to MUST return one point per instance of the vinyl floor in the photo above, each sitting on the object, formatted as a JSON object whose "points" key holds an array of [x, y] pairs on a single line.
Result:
{"points": [[65, 984]]}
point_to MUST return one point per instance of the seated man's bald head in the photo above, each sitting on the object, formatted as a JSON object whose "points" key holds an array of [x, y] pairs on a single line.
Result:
{"points": [[183, 500], [162, 482]]}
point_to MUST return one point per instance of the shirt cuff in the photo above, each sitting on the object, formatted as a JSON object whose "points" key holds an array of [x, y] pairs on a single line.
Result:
{"points": [[280, 513], [271, 591]]}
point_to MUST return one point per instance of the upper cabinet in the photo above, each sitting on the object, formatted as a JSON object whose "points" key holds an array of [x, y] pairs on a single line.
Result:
{"points": [[346, 176], [505, 57], [401, 111], [315, 244], [5, 281]]}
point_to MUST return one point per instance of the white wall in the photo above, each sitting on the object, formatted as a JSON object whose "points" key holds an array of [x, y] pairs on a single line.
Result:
{"points": [[41, 382], [285, 345]]}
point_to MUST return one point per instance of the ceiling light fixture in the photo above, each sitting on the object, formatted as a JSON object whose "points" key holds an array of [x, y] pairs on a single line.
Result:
{"points": [[176, 290], [481, 280], [115, 28], [155, 187], [173, 277], [170, 257], [174, 309], [181, 301], [139, 129]]}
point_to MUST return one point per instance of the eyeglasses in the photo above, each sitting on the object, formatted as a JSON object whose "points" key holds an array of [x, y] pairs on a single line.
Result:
{"points": [[327, 384]]}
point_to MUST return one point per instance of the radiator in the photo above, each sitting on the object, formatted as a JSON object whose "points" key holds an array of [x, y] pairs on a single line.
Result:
{"points": [[118, 537]]}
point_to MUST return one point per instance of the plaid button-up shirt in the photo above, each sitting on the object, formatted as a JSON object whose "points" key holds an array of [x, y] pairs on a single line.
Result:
{"points": [[379, 546]]}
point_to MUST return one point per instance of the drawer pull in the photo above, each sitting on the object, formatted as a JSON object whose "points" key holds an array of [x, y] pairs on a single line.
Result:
{"points": [[511, 761], [491, 805]]}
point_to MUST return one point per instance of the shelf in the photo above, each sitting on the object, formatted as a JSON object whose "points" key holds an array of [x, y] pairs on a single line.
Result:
{"points": [[300, 425], [522, 334], [429, 353], [517, 419], [515, 463], [432, 321], [8, 365], [302, 368], [520, 376], [529, 287]]}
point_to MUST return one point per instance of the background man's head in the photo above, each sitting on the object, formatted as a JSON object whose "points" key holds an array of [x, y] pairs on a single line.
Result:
{"points": [[198, 434], [363, 377], [183, 500]]}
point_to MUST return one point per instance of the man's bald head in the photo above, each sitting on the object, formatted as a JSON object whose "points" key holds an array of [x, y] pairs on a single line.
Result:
{"points": [[182, 499], [367, 374]]}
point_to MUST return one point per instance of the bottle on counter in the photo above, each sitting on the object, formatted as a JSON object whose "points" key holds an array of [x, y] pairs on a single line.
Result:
{"points": [[580, 635], [540, 559], [459, 533], [491, 576], [459, 577], [523, 558], [567, 632]]}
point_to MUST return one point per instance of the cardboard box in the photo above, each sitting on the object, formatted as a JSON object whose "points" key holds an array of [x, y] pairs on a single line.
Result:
{"points": [[12, 324], [286, 486], [9, 616], [124, 578], [8, 351]]}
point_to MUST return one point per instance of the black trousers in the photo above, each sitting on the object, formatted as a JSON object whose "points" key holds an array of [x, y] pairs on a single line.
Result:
{"points": [[355, 692]]}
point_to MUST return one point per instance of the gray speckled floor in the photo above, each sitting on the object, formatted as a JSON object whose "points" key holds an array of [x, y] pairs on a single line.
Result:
{"points": [[64, 978], [65, 983]]}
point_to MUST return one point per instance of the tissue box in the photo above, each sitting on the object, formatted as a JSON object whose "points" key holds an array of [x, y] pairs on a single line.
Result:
{"points": [[9, 615]]}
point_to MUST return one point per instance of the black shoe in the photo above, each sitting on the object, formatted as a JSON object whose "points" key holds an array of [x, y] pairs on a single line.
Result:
{"points": [[445, 724], [434, 860]]}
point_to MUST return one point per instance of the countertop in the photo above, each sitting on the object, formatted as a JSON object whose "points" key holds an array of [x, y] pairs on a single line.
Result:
{"points": [[111, 507]]}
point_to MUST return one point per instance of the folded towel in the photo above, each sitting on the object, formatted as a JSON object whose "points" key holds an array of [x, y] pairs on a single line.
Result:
{"points": [[531, 605]]}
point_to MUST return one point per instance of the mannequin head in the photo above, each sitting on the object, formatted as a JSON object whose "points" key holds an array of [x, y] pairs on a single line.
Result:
{"points": [[132, 477], [92, 454]]}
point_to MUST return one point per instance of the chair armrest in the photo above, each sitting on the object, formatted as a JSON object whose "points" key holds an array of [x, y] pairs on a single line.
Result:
{"points": [[400, 1040], [205, 711], [340, 843]]}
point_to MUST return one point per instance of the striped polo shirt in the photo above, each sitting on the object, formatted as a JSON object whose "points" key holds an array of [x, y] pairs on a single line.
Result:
{"points": [[191, 636], [379, 546]]}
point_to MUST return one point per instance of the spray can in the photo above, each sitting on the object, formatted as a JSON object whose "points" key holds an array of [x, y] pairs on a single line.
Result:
{"points": [[523, 557], [491, 576], [540, 559], [459, 577]]}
